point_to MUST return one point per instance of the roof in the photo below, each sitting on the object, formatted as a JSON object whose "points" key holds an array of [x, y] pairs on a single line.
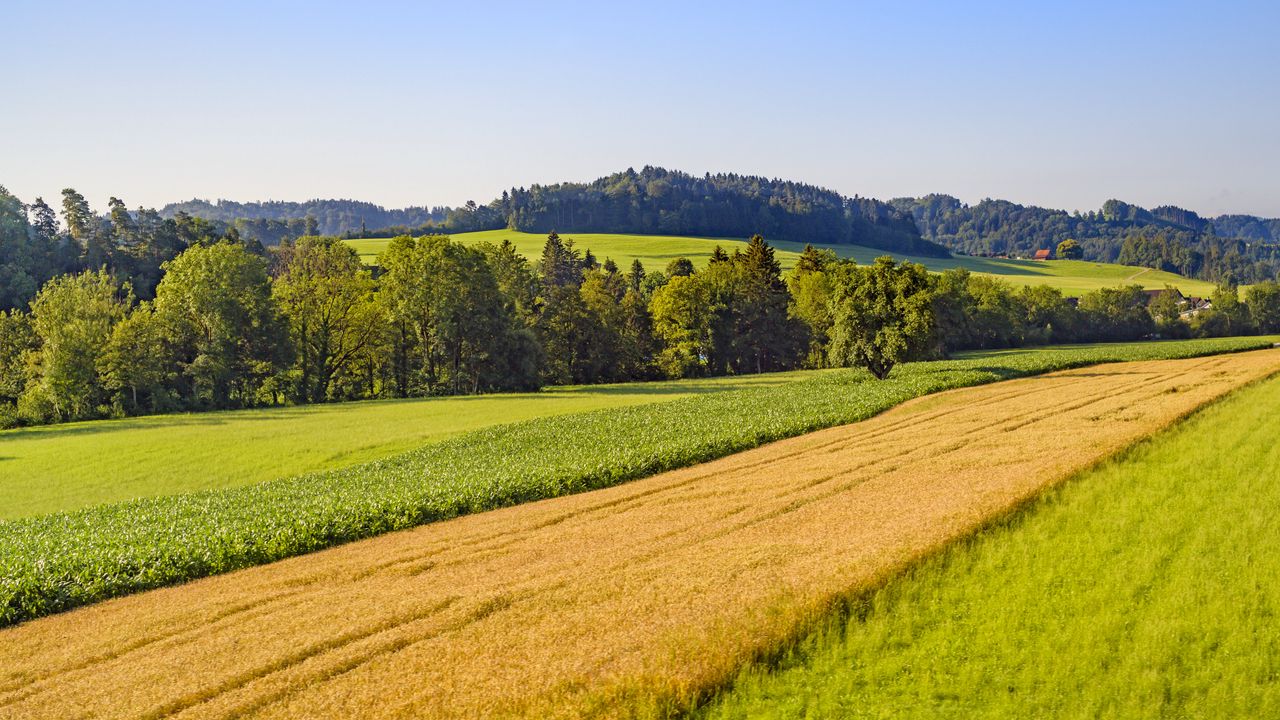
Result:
{"points": [[1043, 254], [1153, 294]]}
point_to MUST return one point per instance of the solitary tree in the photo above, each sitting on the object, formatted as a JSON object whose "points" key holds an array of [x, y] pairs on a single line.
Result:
{"points": [[883, 315], [1070, 250]]}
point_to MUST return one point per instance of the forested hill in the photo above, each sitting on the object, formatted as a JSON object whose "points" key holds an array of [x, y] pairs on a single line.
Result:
{"points": [[1240, 248], [268, 221], [665, 202], [652, 201]]}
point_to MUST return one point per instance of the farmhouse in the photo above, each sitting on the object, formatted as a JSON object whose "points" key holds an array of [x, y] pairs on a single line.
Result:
{"points": [[1193, 306], [1043, 255], [1177, 295]]}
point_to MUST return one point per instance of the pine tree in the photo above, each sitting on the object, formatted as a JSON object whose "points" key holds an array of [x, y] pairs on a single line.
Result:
{"points": [[635, 278], [561, 266], [767, 338]]}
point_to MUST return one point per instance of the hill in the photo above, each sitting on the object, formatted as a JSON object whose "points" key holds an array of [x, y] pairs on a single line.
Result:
{"points": [[1073, 277], [651, 201], [272, 221], [1241, 248], [661, 202]]}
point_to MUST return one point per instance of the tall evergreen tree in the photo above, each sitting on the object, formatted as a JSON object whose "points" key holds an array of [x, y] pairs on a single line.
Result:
{"points": [[561, 264], [767, 338], [635, 278]]}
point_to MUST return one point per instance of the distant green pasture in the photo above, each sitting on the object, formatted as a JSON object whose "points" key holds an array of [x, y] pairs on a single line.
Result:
{"points": [[1073, 277]]}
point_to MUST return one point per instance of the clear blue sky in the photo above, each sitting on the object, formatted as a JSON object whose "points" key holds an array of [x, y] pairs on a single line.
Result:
{"points": [[401, 104]]}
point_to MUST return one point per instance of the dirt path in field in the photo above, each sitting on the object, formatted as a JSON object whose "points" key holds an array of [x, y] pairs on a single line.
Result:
{"points": [[593, 603], [1137, 275]]}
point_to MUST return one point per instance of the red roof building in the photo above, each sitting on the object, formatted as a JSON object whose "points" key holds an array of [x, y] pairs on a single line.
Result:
{"points": [[1043, 255]]}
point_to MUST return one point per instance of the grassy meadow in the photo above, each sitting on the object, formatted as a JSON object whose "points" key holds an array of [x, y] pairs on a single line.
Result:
{"points": [[1073, 277], [118, 460], [54, 562], [1147, 588]]}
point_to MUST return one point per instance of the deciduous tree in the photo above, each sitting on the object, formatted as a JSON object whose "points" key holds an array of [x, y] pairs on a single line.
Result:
{"points": [[883, 315]]}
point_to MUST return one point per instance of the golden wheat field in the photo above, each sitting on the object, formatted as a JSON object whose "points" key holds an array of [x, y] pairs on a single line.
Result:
{"points": [[636, 599]]}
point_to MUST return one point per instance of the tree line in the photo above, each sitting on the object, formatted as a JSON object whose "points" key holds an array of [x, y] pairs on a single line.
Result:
{"points": [[1231, 249], [231, 324], [327, 217]]}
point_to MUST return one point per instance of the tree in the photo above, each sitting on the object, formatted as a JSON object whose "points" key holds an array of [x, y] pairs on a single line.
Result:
{"points": [[445, 297], [603, 293], [327, 297], [682, 320], [136, 366], [20, 265], [1113, 314], [72, 316], [680, 267], [998, 316], [809, 286], [561, 265], [883, 315], [515, 276], [1166, 306], [220, 319], [17, 341], [767, 337], [1049, 318], [1263, 300], [1227, 316], [1069, 249], [635, 278], [77, 216], [955, 310]]}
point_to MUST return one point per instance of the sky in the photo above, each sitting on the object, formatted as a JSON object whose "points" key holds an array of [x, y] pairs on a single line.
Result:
{"points": [[1062, 105]]}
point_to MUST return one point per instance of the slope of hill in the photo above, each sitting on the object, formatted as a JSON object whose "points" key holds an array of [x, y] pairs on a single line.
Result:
{"points": [[1073, 277], [651, 201], [656, 201], [1238, 247], [659, 201]]}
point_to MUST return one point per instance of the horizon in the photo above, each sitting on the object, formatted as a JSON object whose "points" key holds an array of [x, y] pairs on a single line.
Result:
{"points": [[1152, 104], [966, 201]]}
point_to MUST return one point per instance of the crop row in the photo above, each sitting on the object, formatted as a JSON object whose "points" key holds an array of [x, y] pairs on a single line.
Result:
{"points": [[56, 562]]}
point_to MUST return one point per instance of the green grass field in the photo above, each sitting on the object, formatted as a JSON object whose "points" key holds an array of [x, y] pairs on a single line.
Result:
{"points": [[65, 467], [1148, 588], [1073, 277]]}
